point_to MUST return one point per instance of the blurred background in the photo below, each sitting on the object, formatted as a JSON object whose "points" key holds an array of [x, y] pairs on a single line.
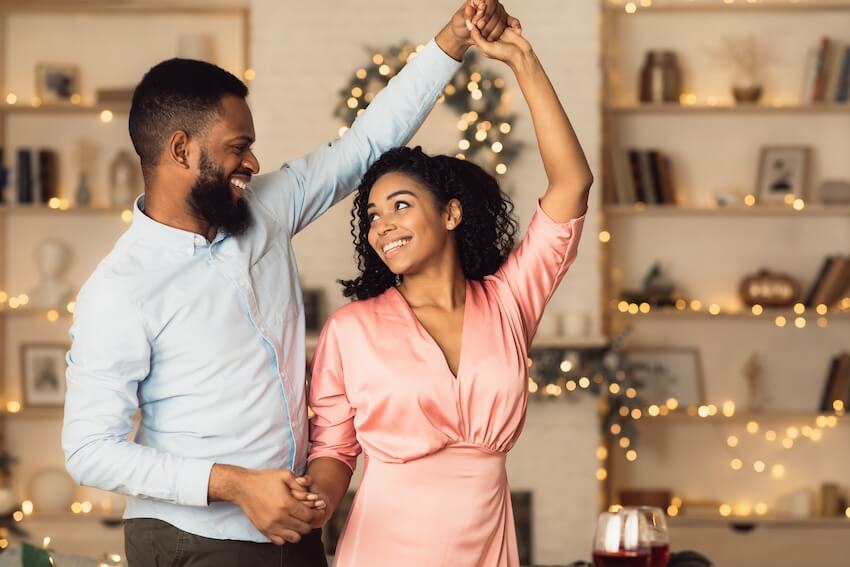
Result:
{"points": [[697, 356]]}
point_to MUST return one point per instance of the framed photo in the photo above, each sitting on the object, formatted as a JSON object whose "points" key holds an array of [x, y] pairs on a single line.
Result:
{"points": [[56, 83], [43, 374], [783, 172], [667, 372]]}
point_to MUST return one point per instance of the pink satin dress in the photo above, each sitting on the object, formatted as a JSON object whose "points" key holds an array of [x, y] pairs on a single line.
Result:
{"points": [[434, 490]]}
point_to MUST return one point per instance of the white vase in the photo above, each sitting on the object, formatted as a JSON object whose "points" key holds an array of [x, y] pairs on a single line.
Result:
{"points": [[51, 491]]}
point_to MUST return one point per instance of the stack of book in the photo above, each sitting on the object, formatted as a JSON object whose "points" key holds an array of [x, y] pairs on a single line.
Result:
{"points": [[837, 385], [827, 78], [642, 176], [832, 282]]}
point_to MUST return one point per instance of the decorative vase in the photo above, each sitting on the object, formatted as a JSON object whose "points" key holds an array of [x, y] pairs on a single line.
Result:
{"points": [[52, 491], [660, 78], [746, 89], [83, 195], [769, 289]]}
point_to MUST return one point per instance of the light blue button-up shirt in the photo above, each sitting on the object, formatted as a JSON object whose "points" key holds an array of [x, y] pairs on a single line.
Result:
{"points": [[207, 338]]}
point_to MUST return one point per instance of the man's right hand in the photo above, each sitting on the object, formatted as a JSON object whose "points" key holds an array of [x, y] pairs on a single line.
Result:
{"points": [[266, 498]]}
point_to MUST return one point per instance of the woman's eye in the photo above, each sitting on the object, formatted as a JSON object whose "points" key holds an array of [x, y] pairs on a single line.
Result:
{"points": [[401, 205], [373, 217]]}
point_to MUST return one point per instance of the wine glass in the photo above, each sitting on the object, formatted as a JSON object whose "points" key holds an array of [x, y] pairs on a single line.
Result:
{"points": [[659, 538], [621, 540]]}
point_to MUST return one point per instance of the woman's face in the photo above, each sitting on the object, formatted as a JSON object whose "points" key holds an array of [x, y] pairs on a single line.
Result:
{"points": [[407, 226]]}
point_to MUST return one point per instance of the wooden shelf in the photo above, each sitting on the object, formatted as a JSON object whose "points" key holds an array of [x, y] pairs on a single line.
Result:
{"points": [[737, 110], [768, 316], [24, 313], [569, 342], [756, 521], [31, 210], [71, 109], [125, 6], [680, 416], [737, 6], [34, 413], [734, 211]]}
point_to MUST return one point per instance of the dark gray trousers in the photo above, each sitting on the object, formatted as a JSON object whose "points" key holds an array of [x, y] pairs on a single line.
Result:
{"points": [[154, 543]]}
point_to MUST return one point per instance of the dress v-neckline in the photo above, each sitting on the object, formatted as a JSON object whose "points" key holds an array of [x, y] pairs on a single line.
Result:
{"points": [[430, 337]]}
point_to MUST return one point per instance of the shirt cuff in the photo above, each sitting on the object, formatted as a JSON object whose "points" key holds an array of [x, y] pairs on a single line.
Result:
{"points": [[193, 483]]}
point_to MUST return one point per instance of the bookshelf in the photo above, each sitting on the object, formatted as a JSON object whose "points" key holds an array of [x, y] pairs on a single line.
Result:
{"points": [[778, 108], [707, 250], [102, 39]]}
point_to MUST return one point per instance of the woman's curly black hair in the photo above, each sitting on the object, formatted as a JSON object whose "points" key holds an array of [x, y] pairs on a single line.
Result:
{"points": [[485, 235]]}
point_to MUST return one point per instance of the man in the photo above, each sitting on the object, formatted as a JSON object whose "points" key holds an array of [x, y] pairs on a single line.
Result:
{"points": [[196, 316]]}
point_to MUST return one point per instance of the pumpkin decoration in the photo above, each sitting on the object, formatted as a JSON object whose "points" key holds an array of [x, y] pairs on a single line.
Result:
{"points": [[770, 289]]}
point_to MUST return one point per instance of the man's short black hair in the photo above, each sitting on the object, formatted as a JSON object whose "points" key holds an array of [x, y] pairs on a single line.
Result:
{"points": [[177, 94]]}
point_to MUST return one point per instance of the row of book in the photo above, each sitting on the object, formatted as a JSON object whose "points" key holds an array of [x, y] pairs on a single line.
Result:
{"points": [[831, 283], [34, 178], [642, 176], [837, 387], [827, 76]]}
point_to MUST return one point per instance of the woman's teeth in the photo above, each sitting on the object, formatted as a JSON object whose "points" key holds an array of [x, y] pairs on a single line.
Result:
{"points": [[395, 244]]}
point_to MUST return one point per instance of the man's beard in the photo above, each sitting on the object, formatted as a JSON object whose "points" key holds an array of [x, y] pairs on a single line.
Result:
{"points": [[212, 200]]}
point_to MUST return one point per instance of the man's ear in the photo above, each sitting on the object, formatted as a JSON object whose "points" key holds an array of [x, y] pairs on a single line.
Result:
{"points": [[178, 150]]}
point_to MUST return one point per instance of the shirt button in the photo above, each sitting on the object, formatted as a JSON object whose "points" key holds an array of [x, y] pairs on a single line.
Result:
{"points": [[263, 330], [243, 282]]}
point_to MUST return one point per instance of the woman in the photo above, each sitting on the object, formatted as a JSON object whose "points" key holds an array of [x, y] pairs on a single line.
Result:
{"points": [[427, 371]]}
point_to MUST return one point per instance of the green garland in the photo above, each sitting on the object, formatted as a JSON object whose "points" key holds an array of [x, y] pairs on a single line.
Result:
{"points": [[477, 95]]}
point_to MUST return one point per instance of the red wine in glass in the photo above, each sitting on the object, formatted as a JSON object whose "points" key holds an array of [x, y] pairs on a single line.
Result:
{"points": [[620, 559], [659, 554]]}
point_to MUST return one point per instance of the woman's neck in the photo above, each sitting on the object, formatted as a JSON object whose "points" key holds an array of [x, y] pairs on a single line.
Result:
{"points": [[444, 288]]}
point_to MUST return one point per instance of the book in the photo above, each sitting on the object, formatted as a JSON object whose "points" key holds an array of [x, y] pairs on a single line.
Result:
{"points": [[833, 75], [824, 267], [833, 281], [645, 169], [810, 75], [838, 382], [637, 178], [654, 158], [843, 94], [668, 187], [822, 70], [624, 184], [828, 384]]}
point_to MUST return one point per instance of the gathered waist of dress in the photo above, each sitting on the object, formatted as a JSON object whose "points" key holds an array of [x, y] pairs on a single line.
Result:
{"points": [[461, 462]]}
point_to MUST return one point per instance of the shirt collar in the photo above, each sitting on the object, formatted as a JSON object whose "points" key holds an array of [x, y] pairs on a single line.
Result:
{"points": [[158, 234]]}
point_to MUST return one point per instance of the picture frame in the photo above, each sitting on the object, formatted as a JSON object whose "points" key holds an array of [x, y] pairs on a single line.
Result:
{"points": [[667, 372], [783, 173], [56, 83], [43, 374]]}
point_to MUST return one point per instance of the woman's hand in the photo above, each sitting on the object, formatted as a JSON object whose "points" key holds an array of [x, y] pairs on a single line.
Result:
{"points": [[511, 48]]}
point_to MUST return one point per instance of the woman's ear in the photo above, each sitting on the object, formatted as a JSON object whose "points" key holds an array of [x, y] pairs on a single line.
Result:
{"points": [[454, 214]]}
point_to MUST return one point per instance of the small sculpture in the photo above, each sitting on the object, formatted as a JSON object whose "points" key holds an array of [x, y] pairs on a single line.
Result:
{"points": [[52, 292], [123, 179], [754, 374]]}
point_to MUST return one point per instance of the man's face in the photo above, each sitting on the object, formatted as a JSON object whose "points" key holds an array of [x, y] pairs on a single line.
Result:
{"points": [[226, 165]]}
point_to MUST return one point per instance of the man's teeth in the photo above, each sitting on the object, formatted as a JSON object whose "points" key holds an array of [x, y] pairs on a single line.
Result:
{"points": [[396, 244], [239, 183]]}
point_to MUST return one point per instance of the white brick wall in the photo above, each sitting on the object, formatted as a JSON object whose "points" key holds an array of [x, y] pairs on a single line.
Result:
{"points": [[303, 52]]}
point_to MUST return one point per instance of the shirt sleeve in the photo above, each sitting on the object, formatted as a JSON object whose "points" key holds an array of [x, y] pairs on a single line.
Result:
{"points": [[305, 188], [332, 432], [535, 268], [109, 358]]}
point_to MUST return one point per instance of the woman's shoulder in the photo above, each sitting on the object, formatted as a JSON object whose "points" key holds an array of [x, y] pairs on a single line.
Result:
{"points": [[361, 311]]}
